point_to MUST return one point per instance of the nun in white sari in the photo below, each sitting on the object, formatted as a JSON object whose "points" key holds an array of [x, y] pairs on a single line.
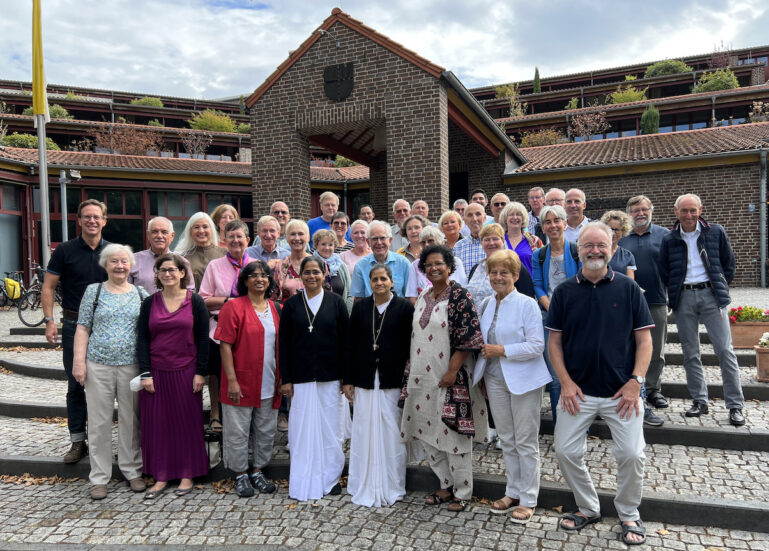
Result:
{"points": [[378, 346], [313, 332]]}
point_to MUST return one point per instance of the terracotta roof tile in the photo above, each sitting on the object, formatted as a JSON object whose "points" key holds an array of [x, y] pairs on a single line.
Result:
{"points": [[674, 145]]}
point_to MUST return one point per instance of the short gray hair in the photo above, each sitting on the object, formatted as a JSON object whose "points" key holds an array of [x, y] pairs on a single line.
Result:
{"points": [[431, 232], [633, 201], [396, 202], [358, 223], [379, 224], [514, 206], [595, 224], [328, 195], [115, 248], [557, 210], [459, 202], [159, 219], [555, 190], [266, 219], [686, 196]]}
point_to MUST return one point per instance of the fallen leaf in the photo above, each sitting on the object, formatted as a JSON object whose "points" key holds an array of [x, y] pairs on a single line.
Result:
{"points": [[663, 532], [558, 509], [290, 506]]}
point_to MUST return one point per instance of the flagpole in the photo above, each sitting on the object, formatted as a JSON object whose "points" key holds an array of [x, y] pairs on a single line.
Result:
{"points": [[45, 218]]}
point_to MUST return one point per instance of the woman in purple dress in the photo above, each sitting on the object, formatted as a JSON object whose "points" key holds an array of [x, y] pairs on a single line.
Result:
{"points": [[173, 359]]}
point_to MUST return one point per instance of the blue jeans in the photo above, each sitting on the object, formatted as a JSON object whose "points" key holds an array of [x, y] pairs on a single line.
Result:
{"points": [[555, 384], [76, 407]]}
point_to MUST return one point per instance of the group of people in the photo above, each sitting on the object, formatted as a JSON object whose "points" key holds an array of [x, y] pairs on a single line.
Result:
{"points": [[440, 334]]}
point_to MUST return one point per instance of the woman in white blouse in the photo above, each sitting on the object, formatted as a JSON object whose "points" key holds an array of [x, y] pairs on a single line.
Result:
{"points": [[515, 374]]}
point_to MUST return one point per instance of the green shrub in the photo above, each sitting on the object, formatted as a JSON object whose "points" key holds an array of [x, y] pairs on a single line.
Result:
{"points": [[28, 141], [73, 95], [56, 111], [667, 67], [650, 120], [343, 161], [573, 104], [547, 136], [720, 79], [155, 122], [626, 94], [748, 313], [243, 128], [537, 83], [215, 121], [147, 100]]}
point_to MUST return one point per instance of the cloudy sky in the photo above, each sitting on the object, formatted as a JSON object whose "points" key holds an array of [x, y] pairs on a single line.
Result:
{"points": [[217, 48]]}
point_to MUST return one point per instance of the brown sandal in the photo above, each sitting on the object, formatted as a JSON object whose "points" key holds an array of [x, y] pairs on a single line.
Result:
{"points": [[458, 505], [436, 499], [503, 505], [521, 510]]}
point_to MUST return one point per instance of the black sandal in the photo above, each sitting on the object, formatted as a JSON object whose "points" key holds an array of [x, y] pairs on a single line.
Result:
{"points": [[457, 505], [436, 499], [639, 530], [215, 429], [579, 521]]}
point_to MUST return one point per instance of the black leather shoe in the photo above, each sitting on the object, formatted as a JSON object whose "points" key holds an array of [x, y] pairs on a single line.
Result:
{"points": [[336, 490], [657, 400], [736, 417], [697, 409]]}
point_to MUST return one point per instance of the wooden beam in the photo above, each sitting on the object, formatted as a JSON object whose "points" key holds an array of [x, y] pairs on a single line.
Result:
{"points": [[456, 116], [343, 149]]}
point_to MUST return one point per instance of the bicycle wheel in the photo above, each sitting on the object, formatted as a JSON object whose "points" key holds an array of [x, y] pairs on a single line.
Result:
{"points": [[30, 309]]}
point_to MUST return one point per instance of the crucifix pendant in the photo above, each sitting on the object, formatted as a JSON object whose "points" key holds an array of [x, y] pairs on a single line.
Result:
{"points": [[375, 347], [310, 328]]}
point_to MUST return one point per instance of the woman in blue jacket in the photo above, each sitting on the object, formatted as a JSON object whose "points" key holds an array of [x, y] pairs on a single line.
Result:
{"points": [[551, 265]]}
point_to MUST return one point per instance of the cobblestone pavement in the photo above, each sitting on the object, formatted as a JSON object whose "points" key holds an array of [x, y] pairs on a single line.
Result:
{"points": [[694, 471], [61, 514]]}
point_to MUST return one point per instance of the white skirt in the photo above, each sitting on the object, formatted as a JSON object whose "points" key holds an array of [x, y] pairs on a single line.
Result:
{"points": [[317, 458], [345, 419], [377, 455]]}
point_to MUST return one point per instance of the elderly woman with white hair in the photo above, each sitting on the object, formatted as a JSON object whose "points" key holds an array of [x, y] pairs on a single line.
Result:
{"points": [[418, 281], [105, 360], [360, 246], [515, 221], [198, 245]]}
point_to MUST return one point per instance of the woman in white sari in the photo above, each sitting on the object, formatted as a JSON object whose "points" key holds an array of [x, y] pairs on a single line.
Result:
{"points": [[377, 352]]}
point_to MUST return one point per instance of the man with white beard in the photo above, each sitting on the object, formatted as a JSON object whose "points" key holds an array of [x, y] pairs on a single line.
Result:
{"points": [[644, 242], [600, 346]]}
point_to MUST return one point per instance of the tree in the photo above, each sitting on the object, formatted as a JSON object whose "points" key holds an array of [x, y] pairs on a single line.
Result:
{"points": [[588, 124], [627, 93], [719, 59], [243, 128], [27, 141], [759, 112], [720, 79], [511, 93], [667, 67], [340, 161], [3, 131], [155, 122], [56, 111], [215, 121], [537, 83], [573, 104], [650, 120], [196, 143], [242, 105], [127, 140], [147, 100], [547, 136]]}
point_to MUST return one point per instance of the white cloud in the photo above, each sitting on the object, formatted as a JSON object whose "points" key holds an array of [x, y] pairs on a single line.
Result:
{"points": [[215, 48]]}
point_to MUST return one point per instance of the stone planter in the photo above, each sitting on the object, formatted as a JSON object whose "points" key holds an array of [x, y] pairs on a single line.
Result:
{"points": [[762, 364], [745, 334]]}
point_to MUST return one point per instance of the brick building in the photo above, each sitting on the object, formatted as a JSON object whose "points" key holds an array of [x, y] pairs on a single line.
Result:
{"points": [[411, 122]]}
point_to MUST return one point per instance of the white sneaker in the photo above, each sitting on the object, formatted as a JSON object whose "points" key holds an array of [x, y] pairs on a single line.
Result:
{"points": [[498, 445], [492, 435]]}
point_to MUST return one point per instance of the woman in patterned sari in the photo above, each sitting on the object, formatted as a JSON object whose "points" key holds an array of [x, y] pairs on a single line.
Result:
{"points": [[441, 410]]}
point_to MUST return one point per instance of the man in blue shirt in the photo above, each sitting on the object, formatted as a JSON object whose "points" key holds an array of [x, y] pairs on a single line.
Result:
{"points": [[329, 204], [469, 249], [268, 230], [379, 237], [600, 346], [644, 242]]}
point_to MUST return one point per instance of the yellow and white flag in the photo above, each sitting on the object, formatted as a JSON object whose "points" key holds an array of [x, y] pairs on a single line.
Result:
{"points": [[39, 97]]}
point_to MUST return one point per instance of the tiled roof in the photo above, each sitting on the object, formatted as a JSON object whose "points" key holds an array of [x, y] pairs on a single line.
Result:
{"points": [[653, 147], [78, 159], [657, 101]]}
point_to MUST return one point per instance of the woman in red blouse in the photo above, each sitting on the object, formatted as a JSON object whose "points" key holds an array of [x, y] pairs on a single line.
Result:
{"points": [[248, 332]]}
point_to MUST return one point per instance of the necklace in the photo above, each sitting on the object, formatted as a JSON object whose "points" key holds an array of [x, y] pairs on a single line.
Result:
{"points": [[310, 318], [374, 333]]}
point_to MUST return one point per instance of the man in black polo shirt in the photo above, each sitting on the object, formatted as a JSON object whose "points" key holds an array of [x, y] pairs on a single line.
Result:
{"points": [[75, 264], [600, 347]]}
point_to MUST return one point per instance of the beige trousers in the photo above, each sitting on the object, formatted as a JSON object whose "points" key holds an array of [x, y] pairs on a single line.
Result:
{"points": [[103, 384], [452, 469]]}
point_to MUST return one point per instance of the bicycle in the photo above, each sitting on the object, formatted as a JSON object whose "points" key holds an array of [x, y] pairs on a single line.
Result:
{"points": [[30, 306], [11, 289]]}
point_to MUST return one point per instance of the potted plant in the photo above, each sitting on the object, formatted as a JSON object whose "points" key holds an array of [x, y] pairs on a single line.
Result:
{"points": [[762, 358], [748, 324]]}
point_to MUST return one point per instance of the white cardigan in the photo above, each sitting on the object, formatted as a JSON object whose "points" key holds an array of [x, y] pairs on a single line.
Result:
{"points": [[519, 330]]}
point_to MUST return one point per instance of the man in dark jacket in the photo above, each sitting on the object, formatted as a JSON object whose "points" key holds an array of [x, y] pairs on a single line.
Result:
{"points": [[696, 265]]}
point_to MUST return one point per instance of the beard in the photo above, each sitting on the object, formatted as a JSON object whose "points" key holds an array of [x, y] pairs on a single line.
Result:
{"points": [[595, 263], [642, 223]]}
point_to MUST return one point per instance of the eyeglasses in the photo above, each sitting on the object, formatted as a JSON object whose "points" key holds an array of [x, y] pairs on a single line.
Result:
{"points": [[258, 275], [401, 211], [435, 265], [168, 270], [338, 223], [91, 217], [640, 210], [591, 246]]}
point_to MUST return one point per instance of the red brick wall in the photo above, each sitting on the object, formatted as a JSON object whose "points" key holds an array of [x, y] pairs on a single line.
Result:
{"points": [[725, 191]]}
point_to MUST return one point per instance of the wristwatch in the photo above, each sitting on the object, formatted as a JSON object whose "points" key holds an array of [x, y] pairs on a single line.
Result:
{"points": [[46, 320], [637, 378]]}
